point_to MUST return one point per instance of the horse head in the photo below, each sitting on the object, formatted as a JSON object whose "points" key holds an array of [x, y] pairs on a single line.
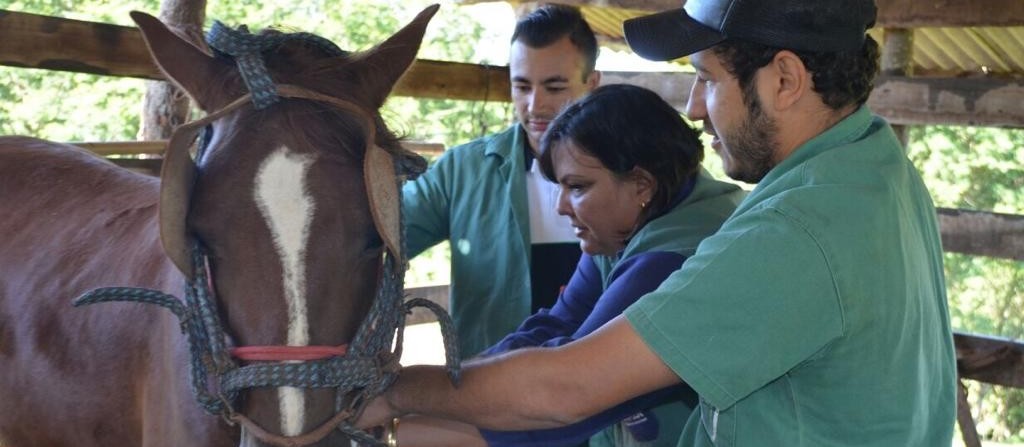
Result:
{"points": [[290, 203]]}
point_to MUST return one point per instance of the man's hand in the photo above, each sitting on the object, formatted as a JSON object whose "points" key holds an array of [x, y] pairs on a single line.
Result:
{"points": [[528, 389], [378, 412]]}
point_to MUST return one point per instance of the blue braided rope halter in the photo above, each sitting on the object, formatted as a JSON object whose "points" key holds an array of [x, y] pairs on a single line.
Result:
{"points": [[247, 50], [199, 322], [368, 368], [370, 364]]}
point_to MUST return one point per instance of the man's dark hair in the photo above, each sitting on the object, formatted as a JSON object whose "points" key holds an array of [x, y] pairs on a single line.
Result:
{"points": [[840, 78], [549, 23]]}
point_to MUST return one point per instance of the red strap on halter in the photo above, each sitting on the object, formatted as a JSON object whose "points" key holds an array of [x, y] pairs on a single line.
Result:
{"points": [[287, 353]]}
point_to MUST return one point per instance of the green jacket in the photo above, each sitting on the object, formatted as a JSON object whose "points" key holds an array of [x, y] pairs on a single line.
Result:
{"points": [[678, 231], [474, 196], [682, 228]]}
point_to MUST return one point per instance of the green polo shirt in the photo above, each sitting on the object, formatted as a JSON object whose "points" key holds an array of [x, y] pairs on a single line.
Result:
{"points": [[474, 196], [817, 315]]}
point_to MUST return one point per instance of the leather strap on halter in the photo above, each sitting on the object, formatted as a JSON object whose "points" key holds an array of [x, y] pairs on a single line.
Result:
{"points": [[357, 372], [178, 176], [179, 173], [377, 331]]}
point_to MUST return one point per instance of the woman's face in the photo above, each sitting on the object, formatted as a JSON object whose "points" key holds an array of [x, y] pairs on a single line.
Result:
{"points": [[604, 209]]}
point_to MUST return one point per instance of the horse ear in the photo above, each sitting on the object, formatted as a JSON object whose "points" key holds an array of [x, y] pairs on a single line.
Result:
{"points": [[183, 63], [388, 61]]}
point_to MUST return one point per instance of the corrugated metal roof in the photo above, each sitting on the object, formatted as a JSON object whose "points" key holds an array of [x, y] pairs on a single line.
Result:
{"points": [[970, 50], [942, 51]]}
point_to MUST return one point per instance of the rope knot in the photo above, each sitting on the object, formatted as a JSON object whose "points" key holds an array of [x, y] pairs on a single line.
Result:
{"points": [[388, 367], [247, 49]]}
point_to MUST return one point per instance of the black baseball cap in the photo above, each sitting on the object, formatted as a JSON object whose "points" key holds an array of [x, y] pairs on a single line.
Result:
{"points": [[802, 25]]}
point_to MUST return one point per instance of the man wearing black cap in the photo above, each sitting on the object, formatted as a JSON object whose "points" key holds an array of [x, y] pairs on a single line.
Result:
{"points": [[817, 315]]}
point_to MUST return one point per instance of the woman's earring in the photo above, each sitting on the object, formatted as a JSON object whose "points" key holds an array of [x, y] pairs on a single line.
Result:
{"points": [[643, 205]]}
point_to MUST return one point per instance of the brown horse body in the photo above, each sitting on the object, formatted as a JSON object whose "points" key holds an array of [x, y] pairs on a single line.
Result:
{"points": [[281, 207], [80, 376]]}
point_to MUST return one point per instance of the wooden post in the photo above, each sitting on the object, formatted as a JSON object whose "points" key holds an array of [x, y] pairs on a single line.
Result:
{"points": [[165, 106], [964, 418], [898, 60]]}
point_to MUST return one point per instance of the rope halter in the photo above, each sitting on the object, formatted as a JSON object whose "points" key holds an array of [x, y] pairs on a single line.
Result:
{"points": [[364, 368]]}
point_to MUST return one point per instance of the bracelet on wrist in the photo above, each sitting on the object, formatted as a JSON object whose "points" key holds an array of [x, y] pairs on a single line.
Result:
{"points": [[391, 433]]}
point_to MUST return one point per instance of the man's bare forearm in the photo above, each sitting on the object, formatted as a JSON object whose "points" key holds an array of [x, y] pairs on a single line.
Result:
{"points": [[537, 388]]}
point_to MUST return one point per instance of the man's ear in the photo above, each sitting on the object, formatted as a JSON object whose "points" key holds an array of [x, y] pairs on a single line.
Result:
{"points": [[793, 79]]}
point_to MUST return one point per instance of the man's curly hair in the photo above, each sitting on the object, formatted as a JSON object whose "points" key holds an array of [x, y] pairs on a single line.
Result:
{"points": [[841, 78]]}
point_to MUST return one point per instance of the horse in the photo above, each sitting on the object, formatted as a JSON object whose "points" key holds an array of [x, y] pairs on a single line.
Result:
{"points": [[276, 223]]}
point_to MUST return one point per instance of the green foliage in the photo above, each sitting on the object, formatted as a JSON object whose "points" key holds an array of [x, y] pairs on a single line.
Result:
{"points": [[358, 25], [972, 167], [982, 169], [62, 106], [65, 106]]}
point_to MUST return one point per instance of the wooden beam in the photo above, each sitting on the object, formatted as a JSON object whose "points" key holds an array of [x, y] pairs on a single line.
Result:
{"points": [[61, 44], [673, 87], [640, 5], [891, 13], [901, 100], [956, 101], [53, 43], [946, 13], [999, 361], [156, 148], [148, 166], [982, 233], [963, 231], [455, 80], [108, 148], [968, 429]]}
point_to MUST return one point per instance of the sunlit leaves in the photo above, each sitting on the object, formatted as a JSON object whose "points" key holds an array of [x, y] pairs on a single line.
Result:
{"points": [[982, 169]]}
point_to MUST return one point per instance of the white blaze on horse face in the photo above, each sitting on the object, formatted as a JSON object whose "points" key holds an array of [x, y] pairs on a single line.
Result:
{"points": [[283, 198]]}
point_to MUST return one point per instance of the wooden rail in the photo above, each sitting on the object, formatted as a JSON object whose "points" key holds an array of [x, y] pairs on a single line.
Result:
{"points": [[891, 13], [995, 360], [969, 232], [54, 43], [156, 148], [147, 156], [982, 233]]}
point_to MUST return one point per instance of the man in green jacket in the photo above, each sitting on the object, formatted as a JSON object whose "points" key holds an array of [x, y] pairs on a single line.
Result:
{"points": [[510, 251], [817, 314]]}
